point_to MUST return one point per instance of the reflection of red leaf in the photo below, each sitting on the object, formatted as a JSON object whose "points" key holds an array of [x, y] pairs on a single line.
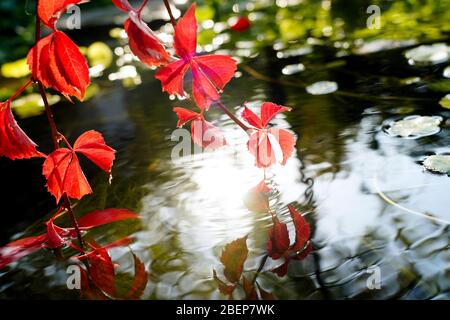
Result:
{"points": [[50, 10], [62, 168], [261, 142], [224, 288], [207, 135], [14, 143], [20, 248], [101, 270], [101, 217], [233, 258], [144, 43], [57, 62], [241, 24], [139, 281], [302, 230], [278, 242], [210, 73], [249, 289], [257, 199]]}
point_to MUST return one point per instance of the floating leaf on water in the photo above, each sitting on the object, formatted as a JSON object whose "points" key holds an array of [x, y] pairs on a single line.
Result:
{"points": [[446, 72], [293, 69], [322, 87], [15, 69], [428, 54], [438, 163], [445, 102], [414, 127]]}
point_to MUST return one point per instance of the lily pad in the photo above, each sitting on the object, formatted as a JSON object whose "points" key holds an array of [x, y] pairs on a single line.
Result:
{"points": [[414, 127], [438, 163], [322, 87], [428, 54], [445, 102]]}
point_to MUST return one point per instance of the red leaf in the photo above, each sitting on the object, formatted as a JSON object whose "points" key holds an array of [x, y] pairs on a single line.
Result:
{"points": [[233, 258], [171, 77], [241, 24], [206, 135], [64, 175], [20, 248], [71, 63], [62, 168], [140, 280], [50, 10], [278, 242], [14, 143], [286, 141], [260, 147], [270, 110], [144, 43], [101, 270], [252, 118], [210, 73], [93, 146], [202, 88], [101, 217], [54, 240], [58, 63], [123, 5], [282, 270], [184, 116], [185, 38], [302, 230]]}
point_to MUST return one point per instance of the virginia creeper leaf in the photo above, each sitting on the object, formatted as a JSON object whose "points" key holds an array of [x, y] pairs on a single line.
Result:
{"points": [[50, 10], [14, 143], [233, 258]]}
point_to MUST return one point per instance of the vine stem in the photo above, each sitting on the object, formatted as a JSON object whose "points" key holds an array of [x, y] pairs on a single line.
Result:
{"points": [[261, 266], [54, 130], [169, 10]]}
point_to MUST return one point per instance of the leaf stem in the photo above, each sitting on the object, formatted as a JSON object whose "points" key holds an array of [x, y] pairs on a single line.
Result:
{"points": [[261, 266], [139, 11], [169, 10], [232, 116], [18, 92], [54, 130]]}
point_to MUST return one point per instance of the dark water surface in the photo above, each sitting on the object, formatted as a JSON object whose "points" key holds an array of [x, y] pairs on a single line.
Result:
{"points": [[364, 190]]}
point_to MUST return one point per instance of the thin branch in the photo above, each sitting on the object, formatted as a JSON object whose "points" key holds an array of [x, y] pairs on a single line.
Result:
{"points": [[54, 130], [169, 10], [261, 266], [232, 116]]}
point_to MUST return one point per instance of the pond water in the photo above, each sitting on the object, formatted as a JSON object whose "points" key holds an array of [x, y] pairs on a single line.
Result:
{"points": [[364, 190]]}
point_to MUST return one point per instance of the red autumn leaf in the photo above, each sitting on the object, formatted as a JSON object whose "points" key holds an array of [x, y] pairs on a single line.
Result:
{"points": [[49, 11], [139, 281], [62, 168], [184, 116], [278, 242], [54, 239], [207, 135], [240, 24], [261, 143], [144, 43], [257, 199], [210, 73], [14, 143], [16, 250], [233, 258], [123, 5], [101, 217], [57, 62], [101, 270], [282, 270]]}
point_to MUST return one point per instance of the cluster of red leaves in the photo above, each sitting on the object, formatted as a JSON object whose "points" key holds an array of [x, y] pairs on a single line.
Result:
{"points": [[57, 237], [279, 244], [233, 259], [263, 140], [55, 60]]}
